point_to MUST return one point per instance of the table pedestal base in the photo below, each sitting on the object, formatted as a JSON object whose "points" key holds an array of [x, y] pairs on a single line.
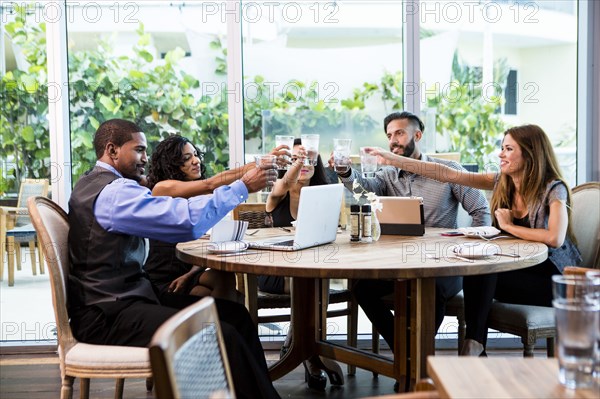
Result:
{"points": [[414, 323]]}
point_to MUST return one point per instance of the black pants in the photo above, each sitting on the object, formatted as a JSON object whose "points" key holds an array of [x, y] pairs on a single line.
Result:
{"points": [[133, 322], [530, 286], [369, 295]]}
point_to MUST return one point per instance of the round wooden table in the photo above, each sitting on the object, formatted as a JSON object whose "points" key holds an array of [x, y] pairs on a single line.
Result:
{"points": [[413, 262]]}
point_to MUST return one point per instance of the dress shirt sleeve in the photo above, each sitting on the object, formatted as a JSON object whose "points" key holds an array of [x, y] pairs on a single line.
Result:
{"points": [[128, 208], [375, 185]]}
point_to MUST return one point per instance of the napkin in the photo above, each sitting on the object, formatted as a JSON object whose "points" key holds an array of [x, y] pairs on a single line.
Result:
{"points": [[228, 230], [480, 231]]}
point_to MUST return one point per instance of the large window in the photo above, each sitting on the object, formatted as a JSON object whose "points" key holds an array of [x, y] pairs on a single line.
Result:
{"points": [[489, 65], [330, 68], [160, 64], [335, 68]]}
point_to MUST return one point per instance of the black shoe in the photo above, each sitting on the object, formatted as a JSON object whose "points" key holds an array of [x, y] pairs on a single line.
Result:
{"points": [[316, 379], [396, 387], [333, 370]]}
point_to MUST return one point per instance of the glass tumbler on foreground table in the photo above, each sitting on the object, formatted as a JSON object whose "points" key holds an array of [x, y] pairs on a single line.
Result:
{"points": [[595, 277], [577, 312]]}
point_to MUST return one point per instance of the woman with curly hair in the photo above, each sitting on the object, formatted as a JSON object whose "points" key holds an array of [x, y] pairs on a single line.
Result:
{"points": [[176, 170], [531, 201]]}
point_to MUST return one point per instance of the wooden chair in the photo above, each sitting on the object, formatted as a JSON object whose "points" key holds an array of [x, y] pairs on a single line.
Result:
{"points": [[14, 217], [533, 322], [188, 355], [256, 299], [78, 359], [586, 222]]}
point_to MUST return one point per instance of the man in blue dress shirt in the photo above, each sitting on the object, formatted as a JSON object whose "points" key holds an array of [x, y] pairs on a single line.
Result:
{"points": [[110, 299]]}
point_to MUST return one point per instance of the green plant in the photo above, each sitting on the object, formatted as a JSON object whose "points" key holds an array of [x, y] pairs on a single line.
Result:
{"points": [[468, 116], [24, 137], [156, 94]]}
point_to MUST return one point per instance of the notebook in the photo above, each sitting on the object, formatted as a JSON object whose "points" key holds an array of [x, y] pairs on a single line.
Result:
{"points": [[316, 223], [402, 216]]}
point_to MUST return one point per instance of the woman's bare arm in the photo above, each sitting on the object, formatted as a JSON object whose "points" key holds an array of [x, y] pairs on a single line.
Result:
{"points": [[435, 170], [553, 236], [188, 189], [283, 185]]}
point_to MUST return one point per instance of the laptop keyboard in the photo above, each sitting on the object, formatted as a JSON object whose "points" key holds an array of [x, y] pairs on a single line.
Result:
{"points": [[287, 243]]}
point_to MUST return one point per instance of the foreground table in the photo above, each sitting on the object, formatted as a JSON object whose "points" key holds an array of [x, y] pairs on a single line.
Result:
{"points": [[496, 377], [404, 259]]}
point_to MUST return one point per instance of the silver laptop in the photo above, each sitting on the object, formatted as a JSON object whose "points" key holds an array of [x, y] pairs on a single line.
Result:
{"points": [[317, 220]]}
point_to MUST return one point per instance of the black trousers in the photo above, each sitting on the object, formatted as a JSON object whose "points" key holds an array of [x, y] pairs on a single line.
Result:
{"points": [[530, 286], [132, 322], [370, 293]]}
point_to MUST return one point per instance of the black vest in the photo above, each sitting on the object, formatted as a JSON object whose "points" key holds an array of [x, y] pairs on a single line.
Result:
{"points": [[104, 266]]}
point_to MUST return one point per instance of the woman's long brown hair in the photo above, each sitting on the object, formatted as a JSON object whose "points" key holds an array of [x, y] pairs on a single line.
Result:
{"points": [[540, 167]]}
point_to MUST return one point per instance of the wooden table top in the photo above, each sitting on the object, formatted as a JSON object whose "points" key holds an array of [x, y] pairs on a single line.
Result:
{"points": [[500, 377], [390, 257]]}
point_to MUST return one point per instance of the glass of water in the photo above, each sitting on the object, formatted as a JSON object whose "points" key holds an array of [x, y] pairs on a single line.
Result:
{"points": [[310, 142], [267, 161], [341, 154], [288, 141], [368, 163], [576, 309]]}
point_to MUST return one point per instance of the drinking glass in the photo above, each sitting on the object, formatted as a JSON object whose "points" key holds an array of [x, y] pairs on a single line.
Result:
{"points": [[311, 145], [595, 277], [368, 163], [285, 140], [267, 161], [341, 154], [576, 311]]}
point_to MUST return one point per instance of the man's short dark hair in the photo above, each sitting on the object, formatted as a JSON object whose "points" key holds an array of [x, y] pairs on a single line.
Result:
{"points": [[117, 131], [414, 120]]}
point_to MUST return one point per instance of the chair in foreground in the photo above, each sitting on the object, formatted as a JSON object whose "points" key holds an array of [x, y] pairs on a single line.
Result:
{"points": [[79, 359], [533, 322], [188, 355]]}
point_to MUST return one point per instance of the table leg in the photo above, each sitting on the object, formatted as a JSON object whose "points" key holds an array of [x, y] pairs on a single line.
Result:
{"points": [[3, 242], [422, 326], [303, 326], [10, 251], [401, 342], [32, 257]]}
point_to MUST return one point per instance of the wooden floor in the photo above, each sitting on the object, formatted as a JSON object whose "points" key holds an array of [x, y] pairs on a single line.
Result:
{"points": [[38, 377]]}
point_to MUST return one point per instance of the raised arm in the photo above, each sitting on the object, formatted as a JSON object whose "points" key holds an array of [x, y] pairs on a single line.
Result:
{"points": [[434, 170], [188, 189], [283, 185]]}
